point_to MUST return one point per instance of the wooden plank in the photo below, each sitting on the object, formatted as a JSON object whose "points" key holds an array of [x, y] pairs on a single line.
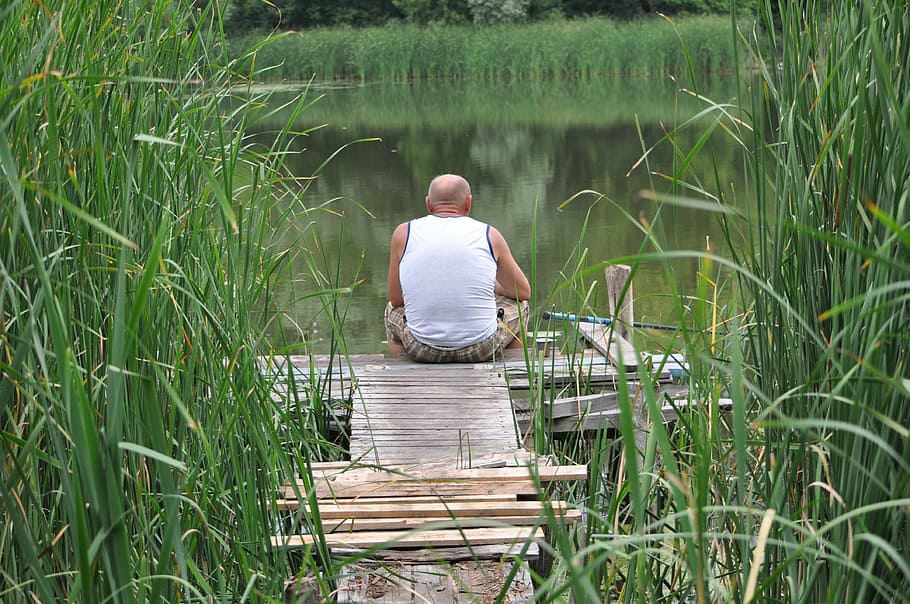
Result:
{"points": [[432, 423], [401, 455], [619, 350], [292, 503], [386, 412], [497, 497], [478, 481], [610, 418], [464, 513], [505, 474], [574, 406], [397, 409], [445, 399], [304, 365], [393, 409], [430, 429], [348, 509], [430, 436], [405, 489], [567, 516], [472, 580], [470, 382], [438, 442], [601, 380], [406, 539], [429, 373], [428, 377], [585, 361], [469, 419], [501, 458], [526, 551]]}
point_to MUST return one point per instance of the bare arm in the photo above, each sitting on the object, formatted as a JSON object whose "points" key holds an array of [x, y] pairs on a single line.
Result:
{"points": [[399, 238], [510, 280]]}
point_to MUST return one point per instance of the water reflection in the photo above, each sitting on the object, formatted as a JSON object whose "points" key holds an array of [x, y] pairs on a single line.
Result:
{"points": [[525, 148]]}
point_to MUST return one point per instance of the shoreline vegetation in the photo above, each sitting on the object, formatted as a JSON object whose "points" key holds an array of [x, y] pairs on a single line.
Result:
{"points": [[585, 48], [141, 447]]}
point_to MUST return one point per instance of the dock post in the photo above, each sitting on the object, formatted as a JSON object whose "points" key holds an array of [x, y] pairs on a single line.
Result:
{"points": [[619, 295]]}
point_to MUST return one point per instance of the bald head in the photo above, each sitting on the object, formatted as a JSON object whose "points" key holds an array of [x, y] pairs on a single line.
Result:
{"points": [[449, 191]]}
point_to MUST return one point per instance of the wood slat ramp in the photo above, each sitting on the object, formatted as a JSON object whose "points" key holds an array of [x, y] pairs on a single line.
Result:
{"points": [[404, 414]]}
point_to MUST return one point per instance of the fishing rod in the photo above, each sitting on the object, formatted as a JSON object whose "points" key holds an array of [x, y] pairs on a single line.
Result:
{"points": [[561, 316]]}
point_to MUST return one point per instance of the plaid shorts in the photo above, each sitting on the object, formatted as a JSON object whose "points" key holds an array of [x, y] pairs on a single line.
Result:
{"points": [[513, 319]]}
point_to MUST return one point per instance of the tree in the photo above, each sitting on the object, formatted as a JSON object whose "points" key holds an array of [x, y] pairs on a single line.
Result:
{"points": [[354, 13], [244, 15], [440, 12], [491, 12], [614, 8], [539, 10]]}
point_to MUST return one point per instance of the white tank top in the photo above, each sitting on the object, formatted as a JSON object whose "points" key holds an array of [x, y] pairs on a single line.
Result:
{"points": [[448, 274]]}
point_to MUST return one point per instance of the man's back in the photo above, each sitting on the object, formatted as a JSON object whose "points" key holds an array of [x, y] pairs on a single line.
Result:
{"points": [[456, 294], [448, 275]]}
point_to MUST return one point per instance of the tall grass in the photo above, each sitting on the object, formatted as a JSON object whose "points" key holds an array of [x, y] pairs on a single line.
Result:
{"points": [[139, 441], [799, 491], [832, 319], [586, 48]]}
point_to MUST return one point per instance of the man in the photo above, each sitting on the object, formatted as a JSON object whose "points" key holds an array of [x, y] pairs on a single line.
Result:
{"points": [[456, 294]]}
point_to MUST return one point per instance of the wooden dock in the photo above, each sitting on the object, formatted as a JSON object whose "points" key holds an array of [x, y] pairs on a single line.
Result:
{"points": [[439, 492], [438, 487]]}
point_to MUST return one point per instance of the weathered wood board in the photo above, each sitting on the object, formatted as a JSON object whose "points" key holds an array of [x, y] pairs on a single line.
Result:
{"points": [[457, 537], [457, 583], [346, 484], [402, 415], [348, 525], [610, 417], [616, 348]]}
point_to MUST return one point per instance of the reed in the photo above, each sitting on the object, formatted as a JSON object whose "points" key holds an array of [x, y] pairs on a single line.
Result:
{"points": [[139, 261], [831, 310], [798, 492], [139, 438], [586, 48]]}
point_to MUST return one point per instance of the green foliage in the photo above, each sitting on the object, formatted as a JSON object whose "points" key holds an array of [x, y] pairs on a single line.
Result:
{"points": [[583, 48], [434, 12], [246, 15], [493, 12], [678, 7], [542, 10], [137, 253], [797, 492], [832, 310], [139, 436], [242, 16]]}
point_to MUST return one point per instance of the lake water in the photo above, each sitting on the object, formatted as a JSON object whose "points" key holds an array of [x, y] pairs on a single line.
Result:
{"points": [[526, 148]]}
